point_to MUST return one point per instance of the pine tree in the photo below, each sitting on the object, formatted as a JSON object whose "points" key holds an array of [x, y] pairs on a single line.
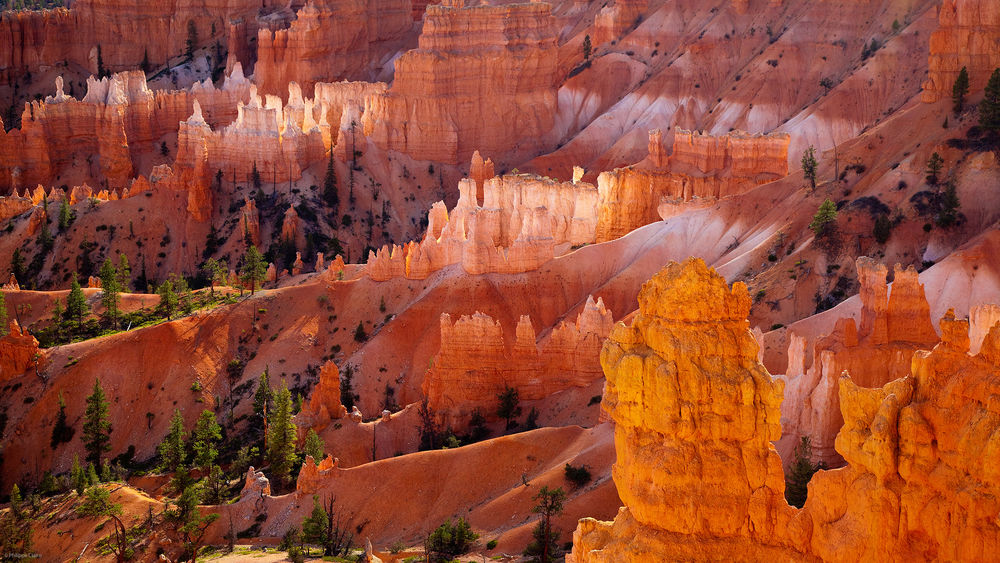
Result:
{"points": [[824, 221], [96, 426], [192, 40], [92, 478], [508, 406], [215, 271], [263, 399], [17, 266], [959, 90], [205, 437], [172, 450], [255, 177], [587, 48], [168, 299], [189, 521], [989, 108], [254, 270], [110, 293], [314, 526], [934, 165], [65, 215], [330, 195], [62, 432], [545, 547], [77, 476], [809, 165], [314, 446], [800, 473], [101, 71], [124, 275], [4, 328], [76, 302], [281, 435], [15, 501]]}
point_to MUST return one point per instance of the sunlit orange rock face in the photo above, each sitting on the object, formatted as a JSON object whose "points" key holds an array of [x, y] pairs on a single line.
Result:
{"points": [[516, 229], [128, 32], [701, 166], [968, 36], [18, 351], [483, 77], [696, 413], [475, 364], [105, 133], [893, 326], [326, 42]]}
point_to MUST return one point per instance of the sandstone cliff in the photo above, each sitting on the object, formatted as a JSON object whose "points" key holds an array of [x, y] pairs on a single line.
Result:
{"points": [[18, 352], [102, 137], [695, 413], [968, 36], [483, 77], [328, 41], [522, 220], [129, 32], [475, 363], [701, 166], [893, 327]]}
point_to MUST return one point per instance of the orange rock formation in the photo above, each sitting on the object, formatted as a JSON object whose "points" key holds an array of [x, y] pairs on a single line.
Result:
{"points": [[117, 121], [324, 402], [968, 36], [522, 220], [701, 166], [695, 413], [893, 327], [128, 32], [474, 364], [18, 352], [327, 41], [483, 77]]}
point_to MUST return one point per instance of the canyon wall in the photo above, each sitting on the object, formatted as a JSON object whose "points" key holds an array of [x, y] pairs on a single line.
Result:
{"points": [[474, 363], [328, 41], [893, 326], [102, 137], [696, 413], [517, 229], [128, 33], [968, 36], [701, 166], [483, 77]]}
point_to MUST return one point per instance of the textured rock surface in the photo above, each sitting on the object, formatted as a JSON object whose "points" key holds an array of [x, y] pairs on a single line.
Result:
{"points": [[328, 41], [117, 122], [893, 327], [18, 352], [694, 415], [475, 363], [968, 36], [483, 77], [128, 32], [324, 401], [701, 166], [517, 228]]}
